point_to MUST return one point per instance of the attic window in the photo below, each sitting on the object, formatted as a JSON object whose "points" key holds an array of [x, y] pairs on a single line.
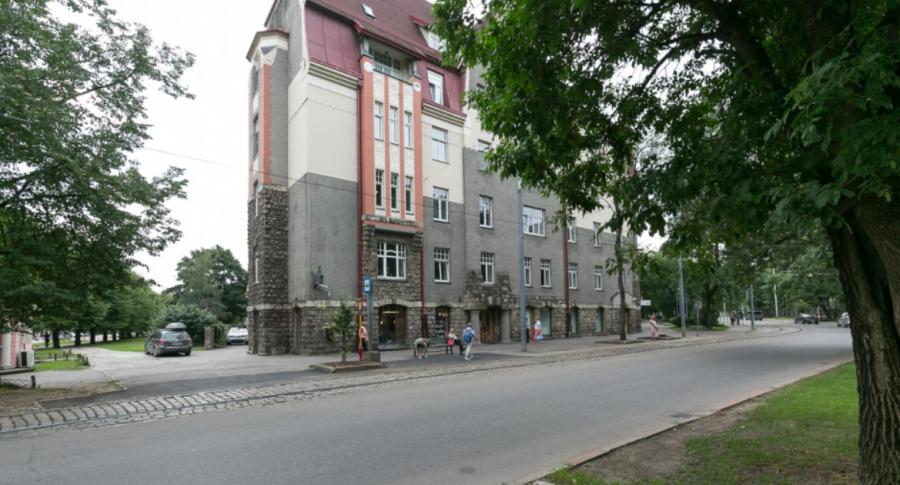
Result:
{"points": [[368, 10], [432, 39]]}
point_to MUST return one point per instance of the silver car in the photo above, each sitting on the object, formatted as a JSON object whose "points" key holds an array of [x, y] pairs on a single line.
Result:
{"points": [[168, 341], [237, 335], [844, 321]]}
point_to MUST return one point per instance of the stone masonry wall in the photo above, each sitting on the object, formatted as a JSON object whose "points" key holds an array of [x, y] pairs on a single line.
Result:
{"points": [[270, 327]]}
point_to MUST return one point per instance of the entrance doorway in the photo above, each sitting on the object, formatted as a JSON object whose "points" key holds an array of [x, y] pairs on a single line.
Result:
{"points": [[573, 322], [441, 321], [546, 322], [598, 322], [391, 327], [490, 325]]}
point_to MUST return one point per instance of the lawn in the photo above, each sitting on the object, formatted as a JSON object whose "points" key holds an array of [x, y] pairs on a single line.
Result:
{"points": [[62, 362], [804, 433]]}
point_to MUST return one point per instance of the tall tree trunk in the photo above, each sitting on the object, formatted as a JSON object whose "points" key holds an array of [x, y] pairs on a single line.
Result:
{"points": [[93, 336], [105, 336], [55, 334], [620, 272], [867, 255], [78, 338]]}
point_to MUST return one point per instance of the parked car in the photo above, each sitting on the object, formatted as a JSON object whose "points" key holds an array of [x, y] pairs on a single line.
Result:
{"points": [[173, 339], [844, 321], [237, 335], [805, 318]]}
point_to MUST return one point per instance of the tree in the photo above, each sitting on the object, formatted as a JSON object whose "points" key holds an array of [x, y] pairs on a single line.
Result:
{"points": [[214, 280], [74, 208], [772, 111], [192, 316], [344, 327]]}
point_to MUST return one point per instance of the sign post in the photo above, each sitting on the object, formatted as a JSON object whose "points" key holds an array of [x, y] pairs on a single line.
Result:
{"points": [[368, 284]]}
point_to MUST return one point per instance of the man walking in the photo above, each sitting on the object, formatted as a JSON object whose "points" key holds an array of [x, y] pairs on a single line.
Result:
{"points": [[468, 340]]}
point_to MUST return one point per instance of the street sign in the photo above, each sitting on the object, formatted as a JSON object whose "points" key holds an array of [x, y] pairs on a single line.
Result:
{"points": [[367, 285], [645, 302]]}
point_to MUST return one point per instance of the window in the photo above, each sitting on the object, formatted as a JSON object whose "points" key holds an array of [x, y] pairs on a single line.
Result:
{"points": [[573, 276], [487, 268], [407, 129], [256, 269], [440, 204], [439, 144], [436, 86], [394, 132], [368, 10], [386, 64], [433, 40], [572, 234], [442, 265], [391, 260], [598, 277], [545, 273], [598, 234], [484, 146], [485, 211], [379, 121], [527, 271], [395, 201], [254, 80], [534, 220], [255, 139], [379, 188], [409, 195]]}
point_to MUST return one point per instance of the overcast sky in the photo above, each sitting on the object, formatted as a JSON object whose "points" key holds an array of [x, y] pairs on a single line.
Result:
{"points": [[207, 136]]}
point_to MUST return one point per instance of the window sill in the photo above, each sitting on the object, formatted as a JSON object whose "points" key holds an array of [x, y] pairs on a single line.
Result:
{"points": [[486, 227], [388, 278], [440, 161], [535, 235], [486, 284], [445, 221], [442, 282]]}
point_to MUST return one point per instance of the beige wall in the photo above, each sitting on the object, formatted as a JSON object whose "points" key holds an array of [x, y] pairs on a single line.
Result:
{"points": [[446, 175]]}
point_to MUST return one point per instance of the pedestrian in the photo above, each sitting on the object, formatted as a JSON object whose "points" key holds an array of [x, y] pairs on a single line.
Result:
{"points": [[654, 328], [420, 348], [364, 337], [733, 318], [451, 340], [468, 339], [538, 331]]}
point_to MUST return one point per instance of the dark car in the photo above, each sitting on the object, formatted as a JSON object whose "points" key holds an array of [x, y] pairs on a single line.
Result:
{"points": [[174, 340], [805, 318]]}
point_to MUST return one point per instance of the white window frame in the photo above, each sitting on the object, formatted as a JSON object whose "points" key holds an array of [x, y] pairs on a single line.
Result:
{"points": [[393, 126], [545, 274], [442, 265], [379, 120], [436, 86], [573, 276], [391, 251], [439, 137], [410, 194], [598, 278], [487, 268], [379, 188], [407, 129], [485, 212], [528, 272], [441, 204], [533, 220], [484, 146], [256, 269], [598, 235], [573, 234], [395, 192]]}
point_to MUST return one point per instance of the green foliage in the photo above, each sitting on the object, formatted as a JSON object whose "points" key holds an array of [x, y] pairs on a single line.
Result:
{"points": [[344, 328], [214, 280], [192, 316], [74, 208]]}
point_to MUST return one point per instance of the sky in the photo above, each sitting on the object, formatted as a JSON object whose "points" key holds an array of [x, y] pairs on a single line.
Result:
{"points": [[206, 136]]}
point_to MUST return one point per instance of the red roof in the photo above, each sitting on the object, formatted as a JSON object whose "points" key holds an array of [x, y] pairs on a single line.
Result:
{"points": [[393, 22]]}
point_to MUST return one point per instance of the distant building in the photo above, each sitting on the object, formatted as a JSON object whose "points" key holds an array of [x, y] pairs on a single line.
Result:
{"points": [[12, 345], [350, 91]]}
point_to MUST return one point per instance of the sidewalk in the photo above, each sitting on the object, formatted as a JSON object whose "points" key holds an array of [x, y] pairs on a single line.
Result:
{"points": [[404, 368]]}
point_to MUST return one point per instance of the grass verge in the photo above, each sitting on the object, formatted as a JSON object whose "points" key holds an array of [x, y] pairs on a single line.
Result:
{"points": [[65, 360], [804, 433]]}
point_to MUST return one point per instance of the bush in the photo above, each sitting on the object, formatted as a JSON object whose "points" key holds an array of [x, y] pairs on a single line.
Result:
{"points": [[192, 316]]}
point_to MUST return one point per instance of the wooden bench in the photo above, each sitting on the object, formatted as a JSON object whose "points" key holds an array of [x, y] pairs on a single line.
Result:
{"points": [[434, 344]]}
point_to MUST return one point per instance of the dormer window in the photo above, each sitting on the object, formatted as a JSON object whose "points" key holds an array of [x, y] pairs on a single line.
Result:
{"points": [[432, 39], [436, 86], [368, 10]]}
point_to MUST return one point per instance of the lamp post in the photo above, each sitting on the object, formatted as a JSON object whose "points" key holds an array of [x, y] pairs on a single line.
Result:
{"points": [[523, 325], [681, 309]]}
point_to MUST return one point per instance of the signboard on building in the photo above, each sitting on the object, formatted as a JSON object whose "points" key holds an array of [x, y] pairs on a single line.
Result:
{"points": [[645, 302], [367, 285]]}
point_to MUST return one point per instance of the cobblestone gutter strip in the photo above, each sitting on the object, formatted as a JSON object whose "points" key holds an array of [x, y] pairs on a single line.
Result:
{"points": [[133, 411]]}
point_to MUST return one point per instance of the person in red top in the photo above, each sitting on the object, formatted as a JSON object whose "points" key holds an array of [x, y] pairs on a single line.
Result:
{"points": [[364, 337]]}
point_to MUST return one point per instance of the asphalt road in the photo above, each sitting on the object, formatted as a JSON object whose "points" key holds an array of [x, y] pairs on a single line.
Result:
{"points": [[485, 427]]}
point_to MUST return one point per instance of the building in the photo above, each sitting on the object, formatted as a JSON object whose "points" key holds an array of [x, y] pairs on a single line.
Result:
{"points": [[15, 347], [343, 91]]}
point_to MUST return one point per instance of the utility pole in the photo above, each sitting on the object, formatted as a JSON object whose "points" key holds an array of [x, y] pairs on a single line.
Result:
{"points": [[681, 297], [698, 319], [752, 310], [523, 325]]}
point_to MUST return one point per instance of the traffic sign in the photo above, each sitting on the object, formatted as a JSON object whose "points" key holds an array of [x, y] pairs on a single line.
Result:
{"points": [[367, 285]]}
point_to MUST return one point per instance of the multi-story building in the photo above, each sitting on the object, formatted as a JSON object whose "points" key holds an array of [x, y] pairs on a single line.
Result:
{"points": [[364, 162]]}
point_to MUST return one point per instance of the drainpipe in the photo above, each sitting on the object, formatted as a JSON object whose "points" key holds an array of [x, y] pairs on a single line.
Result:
{"points": [[568, 323], [359, 193], [422, 286]]}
